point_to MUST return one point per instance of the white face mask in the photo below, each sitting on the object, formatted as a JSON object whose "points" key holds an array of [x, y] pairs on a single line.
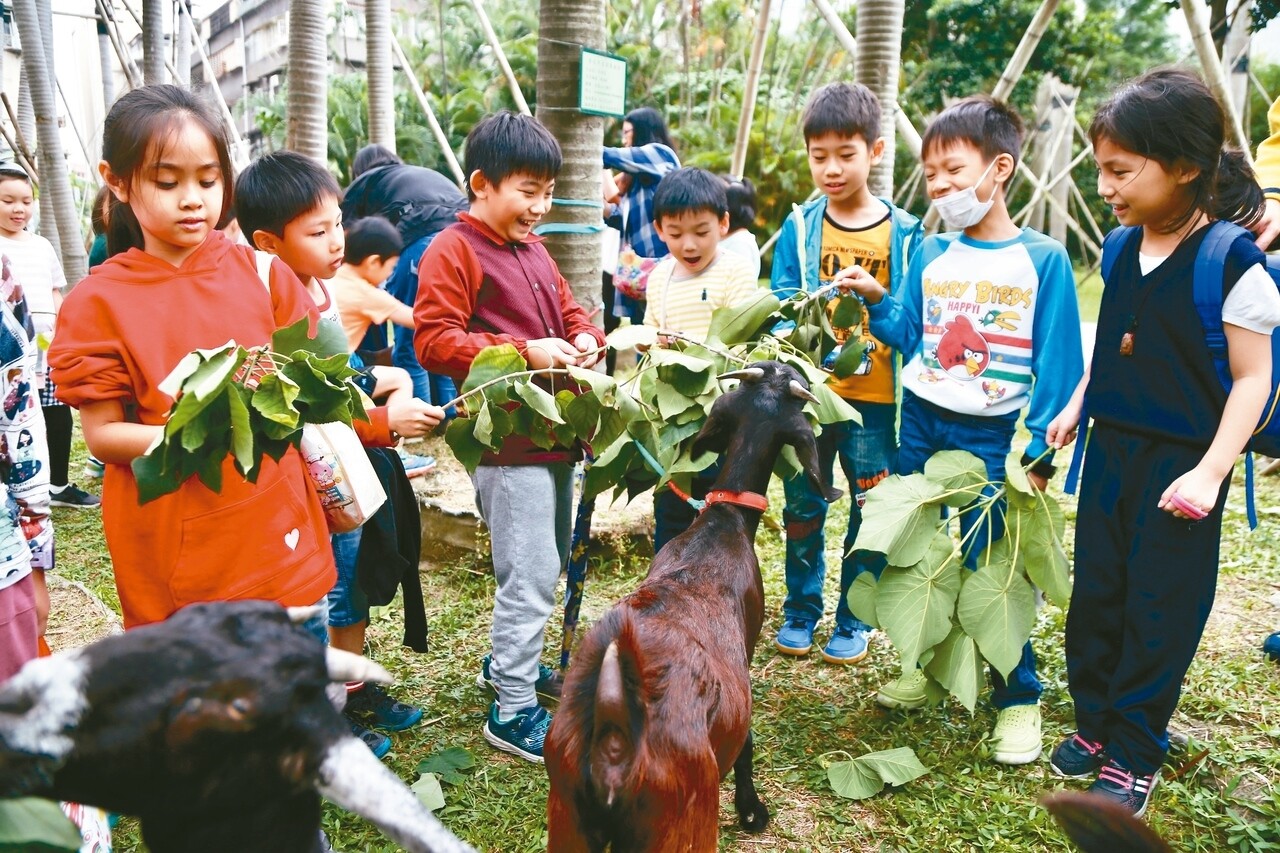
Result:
{"points": [[961, 209]]}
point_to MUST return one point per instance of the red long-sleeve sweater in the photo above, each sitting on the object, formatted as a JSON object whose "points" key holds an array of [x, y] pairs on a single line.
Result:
{"points": [[476, 290], [120, 333]]}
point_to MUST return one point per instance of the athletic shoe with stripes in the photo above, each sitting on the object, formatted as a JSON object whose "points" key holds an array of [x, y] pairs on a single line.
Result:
{"points": [[1124, 787]]}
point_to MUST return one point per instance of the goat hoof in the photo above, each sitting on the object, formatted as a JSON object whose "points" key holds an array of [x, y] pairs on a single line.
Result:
{"points": [[754, 818]]}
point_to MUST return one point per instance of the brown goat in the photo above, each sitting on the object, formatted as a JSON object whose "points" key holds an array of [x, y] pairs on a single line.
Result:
{"points": [[657, 706]]}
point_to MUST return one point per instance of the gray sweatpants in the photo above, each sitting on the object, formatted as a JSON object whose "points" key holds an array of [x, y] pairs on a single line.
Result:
{"points": [[529, 512]]}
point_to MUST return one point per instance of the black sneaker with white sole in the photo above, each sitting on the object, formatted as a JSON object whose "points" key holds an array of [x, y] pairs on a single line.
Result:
{"points": [[1124, 787], [72, 496]]}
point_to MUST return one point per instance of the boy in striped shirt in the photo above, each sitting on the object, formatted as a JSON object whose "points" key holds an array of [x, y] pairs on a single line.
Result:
{"points": [[988, 325], [691, 213]]}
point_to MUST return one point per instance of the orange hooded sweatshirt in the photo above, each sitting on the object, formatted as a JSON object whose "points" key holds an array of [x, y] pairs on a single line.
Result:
{"points": [[120, 333]]}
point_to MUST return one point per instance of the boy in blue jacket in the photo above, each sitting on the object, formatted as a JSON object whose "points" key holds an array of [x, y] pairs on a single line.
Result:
{"points": [[987, 324], [847, 226]]}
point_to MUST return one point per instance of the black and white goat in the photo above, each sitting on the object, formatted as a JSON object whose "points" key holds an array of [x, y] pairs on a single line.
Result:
{"points": [[216, 728]]}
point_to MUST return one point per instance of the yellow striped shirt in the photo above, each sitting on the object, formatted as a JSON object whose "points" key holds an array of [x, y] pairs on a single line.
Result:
{"points": [[679, 302]]}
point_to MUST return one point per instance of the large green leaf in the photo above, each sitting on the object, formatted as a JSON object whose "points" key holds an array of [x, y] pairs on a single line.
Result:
{"points": [[428, 791], [1038, 530], [632, 336], [957, 666], [491, 363], [850, 357], [448, 764], [900, 518], [583, 414], [959, 471], [213, 375], [460, 437], [687, 374], [1020, 491], [863, 593], [738, 323], [831, 408], [866, 775], [997, 609], [539, 400], [241, 435], [274, 399], [914, 605], [848, 312], [329, 340], [32, 824]]}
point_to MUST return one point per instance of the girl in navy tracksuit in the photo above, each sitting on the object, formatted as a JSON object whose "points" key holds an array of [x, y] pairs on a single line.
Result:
{"points": [[1166, 433]]}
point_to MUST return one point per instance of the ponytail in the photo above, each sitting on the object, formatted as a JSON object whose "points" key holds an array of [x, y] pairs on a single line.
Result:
{"points": [[123, 231], [1236, 195]]}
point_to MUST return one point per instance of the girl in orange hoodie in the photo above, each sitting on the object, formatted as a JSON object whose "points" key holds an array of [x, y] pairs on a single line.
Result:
{"points": [[173, 284]]}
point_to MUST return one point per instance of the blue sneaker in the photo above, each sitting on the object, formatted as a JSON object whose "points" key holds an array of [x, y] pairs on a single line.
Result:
{"points": [[848, 645], [379, 744], [548, 684], [796, 636], [1077, 757], [1271, 646], [1127, 789], [373, 708], [414, 465], [522, 735]]}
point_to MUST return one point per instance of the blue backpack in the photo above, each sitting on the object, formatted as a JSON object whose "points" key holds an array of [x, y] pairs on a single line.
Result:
{"points": [[1206, 291]]}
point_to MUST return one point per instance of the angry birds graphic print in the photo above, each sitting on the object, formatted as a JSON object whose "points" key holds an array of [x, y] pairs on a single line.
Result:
{"points": [[962, 350]]}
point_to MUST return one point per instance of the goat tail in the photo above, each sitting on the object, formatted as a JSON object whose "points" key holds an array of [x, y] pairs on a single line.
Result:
{"points": [[612, 740]]}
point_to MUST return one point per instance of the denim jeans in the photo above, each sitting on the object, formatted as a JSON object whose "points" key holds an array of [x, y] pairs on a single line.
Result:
{"points": [[866, 455], [927, 429], [403, 285], [348, 604]]}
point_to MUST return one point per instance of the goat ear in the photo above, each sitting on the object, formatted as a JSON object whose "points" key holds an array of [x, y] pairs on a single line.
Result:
{"points": [[713, 437], [807, 452]]}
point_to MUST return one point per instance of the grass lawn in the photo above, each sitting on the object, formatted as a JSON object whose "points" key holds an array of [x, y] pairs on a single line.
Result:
{"points": [[807, 712]]}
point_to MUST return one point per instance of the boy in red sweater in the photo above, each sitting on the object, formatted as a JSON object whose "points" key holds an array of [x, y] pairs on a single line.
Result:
{"points": [[486, 280]]}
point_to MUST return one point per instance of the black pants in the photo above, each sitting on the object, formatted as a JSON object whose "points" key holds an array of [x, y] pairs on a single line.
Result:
{"points": [[57, 424], [1144, 586]]}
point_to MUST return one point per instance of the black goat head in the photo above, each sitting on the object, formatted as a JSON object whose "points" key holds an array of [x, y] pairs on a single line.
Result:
{"points": [[216, 728], [767, 406]]}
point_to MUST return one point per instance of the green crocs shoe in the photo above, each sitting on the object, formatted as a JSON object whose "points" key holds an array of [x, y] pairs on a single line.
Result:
{"points": [[1016, 737], [906, 694]]}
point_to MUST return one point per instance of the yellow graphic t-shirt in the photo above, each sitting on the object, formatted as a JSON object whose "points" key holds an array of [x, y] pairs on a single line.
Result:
{"points": [[869, 248]]}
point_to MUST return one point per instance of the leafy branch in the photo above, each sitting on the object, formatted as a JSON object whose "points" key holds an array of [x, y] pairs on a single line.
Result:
{"points": [[940, 616], [248, 404]]}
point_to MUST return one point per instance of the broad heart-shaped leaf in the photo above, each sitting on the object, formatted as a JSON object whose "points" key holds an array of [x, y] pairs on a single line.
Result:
{"points": [[850, 357], [631, 336], [447, 763], [491, 363], [900, 518], [242, 443], [329, 340], [957, 470], [914, 605], [459, 435], [274, 398], [739, 323], [863, 593], [539, 400], [1020, 491], [482, 429], [997, 609], [583, 413], [687, 374], [33, 824], [600, 383], [866, 775], [831, 407], [957, 666], [671, 403], [610, 467], [428, 791], [208, 379], [1037, 530], [848, 311]]}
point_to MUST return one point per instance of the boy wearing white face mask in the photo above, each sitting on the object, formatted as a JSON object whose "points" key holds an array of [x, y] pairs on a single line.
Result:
{"points": [[987, 324]]}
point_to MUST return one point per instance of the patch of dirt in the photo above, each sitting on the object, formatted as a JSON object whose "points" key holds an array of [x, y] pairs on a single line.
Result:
{"points": [[76, 616]]}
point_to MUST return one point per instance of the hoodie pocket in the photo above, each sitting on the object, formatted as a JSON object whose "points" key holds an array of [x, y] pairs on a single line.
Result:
{"points": [[254, 548]]}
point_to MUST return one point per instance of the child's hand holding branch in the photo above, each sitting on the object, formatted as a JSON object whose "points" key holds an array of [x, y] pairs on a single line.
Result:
{"points": [[857, 280]]}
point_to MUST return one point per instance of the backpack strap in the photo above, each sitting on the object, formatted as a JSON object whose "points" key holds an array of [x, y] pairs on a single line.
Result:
{"points": [[1112, 245], [263, 261], [1206, 292]]}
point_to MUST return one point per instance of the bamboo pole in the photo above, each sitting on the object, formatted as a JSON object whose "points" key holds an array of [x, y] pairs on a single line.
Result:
{"points": [[1210, 65], [18, 155], [132, 75], [743, 139], [75, 128], [500, 54], [22, 148], [1026, 47], [242, 154], [436, 129]]}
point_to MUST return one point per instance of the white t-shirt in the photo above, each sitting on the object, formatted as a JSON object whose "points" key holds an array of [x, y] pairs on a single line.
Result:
{"points": [[743, 242], [1253, 304], [35, 263]]}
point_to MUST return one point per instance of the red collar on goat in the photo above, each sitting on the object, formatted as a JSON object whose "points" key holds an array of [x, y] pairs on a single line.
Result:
{"points": [[750, 500]]}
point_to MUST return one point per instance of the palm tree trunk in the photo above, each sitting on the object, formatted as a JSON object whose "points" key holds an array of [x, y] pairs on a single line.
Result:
{"points": [[562, 25], [377, 35], [876, 66], [104, 60], [152, 41], [55, 182], [306, 121]]}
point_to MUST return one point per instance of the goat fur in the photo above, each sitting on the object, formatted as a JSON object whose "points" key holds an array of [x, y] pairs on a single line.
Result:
{"points": [[656, 708]]}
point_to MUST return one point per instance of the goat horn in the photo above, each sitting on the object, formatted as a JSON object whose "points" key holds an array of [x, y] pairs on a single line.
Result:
{"points": [[746, 374], [345, 666], [798, 390], [350, 776], [299, 615]]}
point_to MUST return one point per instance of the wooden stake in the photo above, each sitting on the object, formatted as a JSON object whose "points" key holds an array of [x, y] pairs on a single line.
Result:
{"points": [[501, 56], [436, 129], [1210, 65], [1026, 47], [739, 161]]}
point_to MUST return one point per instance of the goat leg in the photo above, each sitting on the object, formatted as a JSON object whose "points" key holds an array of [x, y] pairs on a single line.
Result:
{"points": [[753, 816]]}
